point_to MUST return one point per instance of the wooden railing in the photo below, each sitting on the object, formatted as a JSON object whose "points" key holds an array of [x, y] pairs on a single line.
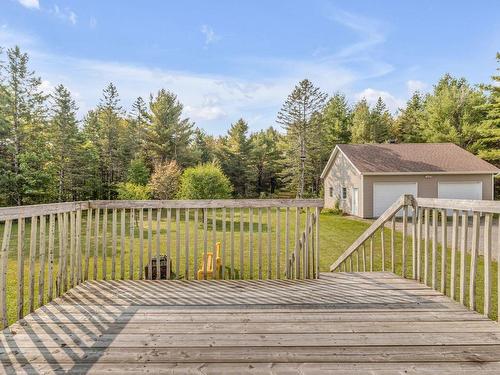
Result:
{"points": [[48, 249], [451, 267]]}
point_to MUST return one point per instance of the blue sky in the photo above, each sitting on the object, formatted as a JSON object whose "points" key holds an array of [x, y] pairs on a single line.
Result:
{"points": [[231, 59]]}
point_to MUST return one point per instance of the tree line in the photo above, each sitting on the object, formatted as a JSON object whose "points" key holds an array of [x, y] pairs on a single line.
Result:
{"points": [[47, 154]]}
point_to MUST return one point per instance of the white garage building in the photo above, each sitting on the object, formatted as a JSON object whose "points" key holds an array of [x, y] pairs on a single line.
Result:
{"points": [[365, 179]]}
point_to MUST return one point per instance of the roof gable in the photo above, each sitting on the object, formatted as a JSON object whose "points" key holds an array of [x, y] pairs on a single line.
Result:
{"points": [[411, 158]]}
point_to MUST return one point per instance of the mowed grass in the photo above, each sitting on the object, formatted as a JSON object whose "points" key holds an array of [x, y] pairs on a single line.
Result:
{"points": [[337, 233]]}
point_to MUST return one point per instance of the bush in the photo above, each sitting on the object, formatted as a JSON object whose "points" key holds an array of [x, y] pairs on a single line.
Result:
{"points": [[131, 191], [138, 172], [206, 181], [164, 182]]}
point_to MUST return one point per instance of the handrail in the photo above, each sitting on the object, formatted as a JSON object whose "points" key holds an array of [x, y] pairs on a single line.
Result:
{"points": [[16, 212], [404, 200], [460, 204]]}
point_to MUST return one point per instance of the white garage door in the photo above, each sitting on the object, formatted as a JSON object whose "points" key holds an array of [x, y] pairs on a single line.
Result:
{"points": [[386, 193], [460, 190]]}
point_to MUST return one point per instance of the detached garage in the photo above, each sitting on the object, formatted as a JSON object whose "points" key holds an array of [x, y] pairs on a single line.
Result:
{"points": [[365, 179]]}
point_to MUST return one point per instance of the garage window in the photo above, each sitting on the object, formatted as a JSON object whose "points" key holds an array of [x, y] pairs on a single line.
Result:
{"points": [[331, 191], [344, 193]]}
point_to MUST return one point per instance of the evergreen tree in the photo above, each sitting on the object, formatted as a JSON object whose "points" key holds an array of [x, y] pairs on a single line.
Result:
{"points": [[265, 160], [203, 147], [337, 121], [361, 123], [299, 118], [408, 125], [23, 173], [235, 155], [380, 122], [488, 144], [454, 112], [167, 136], [66, 144]]}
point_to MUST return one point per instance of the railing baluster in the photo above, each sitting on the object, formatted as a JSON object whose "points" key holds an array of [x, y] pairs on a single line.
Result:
{"points": [[473, 260], [4, 257], [205, 242], [382, 244], [297, 240], [363, 253], [60, 225], [113, 241], [158, 243], [487, 264], [122, 244], [371, 254], [214, 243], [426, 246], [41, 271], [444, 248], [498, 270], [317, 243], [72, 247], [150, 244], [250, 241], [278, 243], [131, 243], [454, 244], [463, 255], [178, 243], [393, 246], [186, 244], [414, 242], [104, 243], [259, 244], [223, 244], [21, 227], [31, 295], [434, 247], [231, 240], [169, 241], [50, 272], [269, 259], [287, 243], [306, 244], [357, 260], [419, 243], [195, 244], [242, 238], [88, 235], [96, 239], [404, 244], [141, 243]]}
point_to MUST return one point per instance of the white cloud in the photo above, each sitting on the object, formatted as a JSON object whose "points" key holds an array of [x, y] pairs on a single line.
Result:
{"points": [[415, 85], [30, 4], [372, 95], [65, 15], [210, 35]]}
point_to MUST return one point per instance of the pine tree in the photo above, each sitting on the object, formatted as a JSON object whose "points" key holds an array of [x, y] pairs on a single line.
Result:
{"points": [[265, 161], [235, 155], [167, 136], [66, 144], [408, 125], [299, 118], [381, 122], [361, 123], [23, 173], [337, 121]]}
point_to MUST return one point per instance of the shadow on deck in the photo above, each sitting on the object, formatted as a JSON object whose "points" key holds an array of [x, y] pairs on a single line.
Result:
{"points": [[345, 323]]}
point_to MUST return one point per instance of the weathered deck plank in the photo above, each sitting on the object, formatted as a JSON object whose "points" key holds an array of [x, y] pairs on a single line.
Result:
{"points": [[343, 323]]}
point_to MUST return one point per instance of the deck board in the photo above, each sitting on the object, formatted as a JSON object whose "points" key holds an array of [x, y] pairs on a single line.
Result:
{"points": [[343, 323]]}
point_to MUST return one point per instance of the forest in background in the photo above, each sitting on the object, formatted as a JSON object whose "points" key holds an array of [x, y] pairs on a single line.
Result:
{"points": [[48, 154]]}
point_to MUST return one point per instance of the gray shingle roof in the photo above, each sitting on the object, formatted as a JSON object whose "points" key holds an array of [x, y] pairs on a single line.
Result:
{"points": [[414, 157]]}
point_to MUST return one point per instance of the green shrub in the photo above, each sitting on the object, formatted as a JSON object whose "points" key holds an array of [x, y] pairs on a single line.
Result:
{"points": [[131, 191], [138, 172], [205, 181]]}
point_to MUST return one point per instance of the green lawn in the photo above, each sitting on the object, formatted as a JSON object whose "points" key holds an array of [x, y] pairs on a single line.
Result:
{"points": [[336, 234]]}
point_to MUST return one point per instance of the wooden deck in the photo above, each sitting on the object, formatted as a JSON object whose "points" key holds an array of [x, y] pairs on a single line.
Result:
{"points": [[343, 323]]}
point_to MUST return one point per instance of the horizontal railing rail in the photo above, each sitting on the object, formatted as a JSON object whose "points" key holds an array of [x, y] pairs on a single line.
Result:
{"points": [[48, 249], [451, 267]]}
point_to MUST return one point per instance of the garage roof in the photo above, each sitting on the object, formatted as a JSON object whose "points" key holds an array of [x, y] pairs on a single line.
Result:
{"points": [[417, 158]]}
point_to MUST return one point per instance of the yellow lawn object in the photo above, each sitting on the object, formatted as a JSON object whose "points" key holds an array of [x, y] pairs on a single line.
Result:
{"points": [[210, 265]]}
